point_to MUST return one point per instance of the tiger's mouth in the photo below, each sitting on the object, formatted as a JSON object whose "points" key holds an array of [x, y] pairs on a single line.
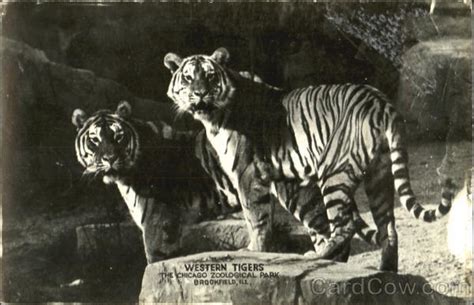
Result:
{"points": [[110, 171], [109, 176], [202, 109]]}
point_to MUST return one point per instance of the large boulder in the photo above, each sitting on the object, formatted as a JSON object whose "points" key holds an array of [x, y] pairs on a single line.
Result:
{"points": [[435, 88], [455, 22], [270, 278], [109, 242], [35, 82]]}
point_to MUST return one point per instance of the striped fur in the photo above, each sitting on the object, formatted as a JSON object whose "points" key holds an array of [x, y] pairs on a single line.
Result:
{"points": [[331, 136], [156, 171]]}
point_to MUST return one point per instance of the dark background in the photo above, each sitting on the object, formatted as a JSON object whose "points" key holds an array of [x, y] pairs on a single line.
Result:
{"points": [[127, 43], [56, 58]]}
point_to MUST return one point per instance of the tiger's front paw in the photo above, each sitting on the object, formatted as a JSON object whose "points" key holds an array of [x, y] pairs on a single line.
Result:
{"points": [[260, 243], [245, 249], [311, 254], [252, 248], [150, 259]]}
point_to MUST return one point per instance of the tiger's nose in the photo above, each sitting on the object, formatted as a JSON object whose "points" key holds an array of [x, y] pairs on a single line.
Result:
{"points": [[109, 158], [201, 92]]}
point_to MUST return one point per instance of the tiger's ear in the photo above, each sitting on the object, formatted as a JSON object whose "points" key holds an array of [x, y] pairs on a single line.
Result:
{"points": [[124, 109], [78, 118], [221, 56], [172, 61]]}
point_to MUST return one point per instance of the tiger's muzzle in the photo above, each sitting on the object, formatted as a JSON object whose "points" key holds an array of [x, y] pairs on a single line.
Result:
{"points": [[201, 108]]}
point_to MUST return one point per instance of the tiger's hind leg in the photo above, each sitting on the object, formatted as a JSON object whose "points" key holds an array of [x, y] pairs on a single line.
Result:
{"points": [[338, 200], [380, 191], [305, 203]]}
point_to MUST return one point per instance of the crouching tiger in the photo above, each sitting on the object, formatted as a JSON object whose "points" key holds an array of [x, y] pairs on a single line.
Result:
{"points": [[156, 171], [327, 136]]}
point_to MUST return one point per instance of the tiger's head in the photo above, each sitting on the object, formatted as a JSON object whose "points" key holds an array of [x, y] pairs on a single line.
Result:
{"points": [[106, 144], [200, 84]]}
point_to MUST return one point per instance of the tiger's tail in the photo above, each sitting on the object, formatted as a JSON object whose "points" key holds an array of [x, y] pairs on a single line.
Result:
{"points": [[399, 158]]}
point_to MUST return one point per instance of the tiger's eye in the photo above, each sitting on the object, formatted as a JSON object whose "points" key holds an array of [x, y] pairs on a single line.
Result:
{"points": [[94, 141], [118, 137]]}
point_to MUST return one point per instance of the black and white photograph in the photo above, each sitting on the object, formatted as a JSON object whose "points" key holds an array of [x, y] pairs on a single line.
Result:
{"points": [[236, 152]]}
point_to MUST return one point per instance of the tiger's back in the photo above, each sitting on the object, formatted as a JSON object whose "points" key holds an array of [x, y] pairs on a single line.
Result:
{"points": [[329, 136], [331, 127]]}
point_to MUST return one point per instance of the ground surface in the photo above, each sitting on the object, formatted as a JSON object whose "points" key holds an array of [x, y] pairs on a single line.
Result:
{"points": [[39, 259], [422, 246]]}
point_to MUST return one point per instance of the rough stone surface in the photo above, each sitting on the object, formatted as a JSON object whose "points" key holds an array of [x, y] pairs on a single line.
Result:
{"points": [[430, 27], [435, 88], [108, 242], [299, 281], [41, 82], [232, 234], [98, 242]]}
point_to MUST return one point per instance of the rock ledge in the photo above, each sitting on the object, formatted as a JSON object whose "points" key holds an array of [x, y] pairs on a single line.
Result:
{"points": [[271, 278]]}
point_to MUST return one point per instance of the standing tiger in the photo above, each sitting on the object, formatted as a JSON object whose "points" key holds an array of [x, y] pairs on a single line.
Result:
{"points": [[156, 172], [330, 136]]}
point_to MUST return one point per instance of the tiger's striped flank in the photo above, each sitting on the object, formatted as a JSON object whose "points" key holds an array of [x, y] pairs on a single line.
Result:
{"points": [[329, 137]]}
